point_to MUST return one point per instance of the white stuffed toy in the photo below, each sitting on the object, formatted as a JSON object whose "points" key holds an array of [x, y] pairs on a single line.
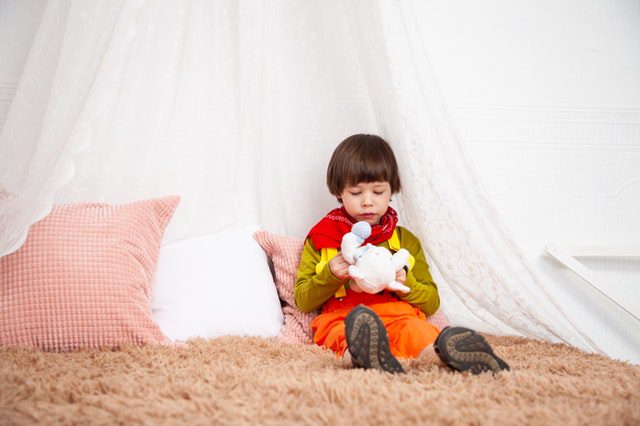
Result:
{"points": [[373, 268]]}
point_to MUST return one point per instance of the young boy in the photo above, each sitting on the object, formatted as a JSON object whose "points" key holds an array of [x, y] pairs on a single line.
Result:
{"points": [[377, 328]]}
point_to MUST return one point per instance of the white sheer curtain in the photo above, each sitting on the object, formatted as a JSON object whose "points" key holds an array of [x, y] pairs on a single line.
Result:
{"points": [[64, 86], [236, 106], [442, 198]]}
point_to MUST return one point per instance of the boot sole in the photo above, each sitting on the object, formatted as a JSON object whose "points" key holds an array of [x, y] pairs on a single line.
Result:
{"points": [[368, 341], [465, 350]]}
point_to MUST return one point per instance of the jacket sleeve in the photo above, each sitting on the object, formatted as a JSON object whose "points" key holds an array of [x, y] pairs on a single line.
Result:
{"points": [[311, 289], [424, 291]]}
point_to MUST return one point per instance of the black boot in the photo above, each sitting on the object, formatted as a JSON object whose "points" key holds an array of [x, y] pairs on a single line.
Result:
{"points": [[465, 350], [368, 341]]}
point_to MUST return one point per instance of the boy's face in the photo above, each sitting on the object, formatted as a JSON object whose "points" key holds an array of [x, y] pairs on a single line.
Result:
{"points": [[367, 201]]}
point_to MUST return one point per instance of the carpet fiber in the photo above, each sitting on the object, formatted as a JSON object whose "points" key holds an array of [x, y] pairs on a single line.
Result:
{"points": [[235, 380]]}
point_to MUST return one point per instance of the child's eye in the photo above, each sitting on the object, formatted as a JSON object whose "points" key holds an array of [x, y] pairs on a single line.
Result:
{"points": [[378, 193], [355, 193]]}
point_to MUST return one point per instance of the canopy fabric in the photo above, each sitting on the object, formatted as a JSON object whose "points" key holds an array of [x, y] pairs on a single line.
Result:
{"points": [[236, 106]]}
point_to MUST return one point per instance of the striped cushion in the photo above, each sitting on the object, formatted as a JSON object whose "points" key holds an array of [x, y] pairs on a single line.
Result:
{"points": [[83, 278]]}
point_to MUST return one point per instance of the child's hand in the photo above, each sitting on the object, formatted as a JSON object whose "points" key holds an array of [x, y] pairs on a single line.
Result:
{"points": [[401, 276], [339, 267]]}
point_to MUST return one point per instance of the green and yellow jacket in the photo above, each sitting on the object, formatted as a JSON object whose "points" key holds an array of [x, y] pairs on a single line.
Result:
{"points": [[315, 283]]}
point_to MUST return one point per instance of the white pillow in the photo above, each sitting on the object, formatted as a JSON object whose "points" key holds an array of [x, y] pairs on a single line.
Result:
{"points": [[215, 285]]}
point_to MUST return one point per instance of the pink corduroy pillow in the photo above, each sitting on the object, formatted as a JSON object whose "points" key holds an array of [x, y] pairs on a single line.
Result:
{"points": [[284, 252], [82, 279]]}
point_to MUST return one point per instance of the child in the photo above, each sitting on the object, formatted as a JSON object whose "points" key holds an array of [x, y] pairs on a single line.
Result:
{"points": [[377, 328]]}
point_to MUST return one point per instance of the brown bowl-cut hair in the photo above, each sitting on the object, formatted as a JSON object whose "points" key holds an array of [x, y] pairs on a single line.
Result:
{"points": [[362, 158]]}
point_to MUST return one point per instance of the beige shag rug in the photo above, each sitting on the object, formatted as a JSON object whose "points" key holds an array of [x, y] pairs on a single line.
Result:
{"points": [[236, 380]]}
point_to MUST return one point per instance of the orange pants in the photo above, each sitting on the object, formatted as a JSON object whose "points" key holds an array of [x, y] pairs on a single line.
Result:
{"points": [[407, 326]]}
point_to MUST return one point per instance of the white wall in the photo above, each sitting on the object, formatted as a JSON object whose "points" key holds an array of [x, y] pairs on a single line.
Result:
{"points": [[546, 96]]}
